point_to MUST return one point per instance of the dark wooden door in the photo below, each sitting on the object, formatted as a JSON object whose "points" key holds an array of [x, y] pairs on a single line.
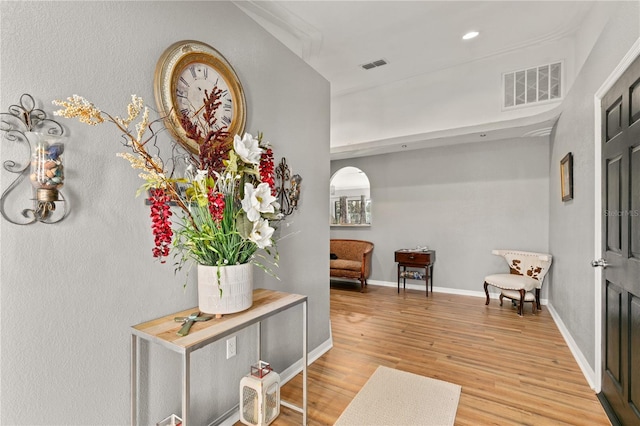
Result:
{"points": [[621, 246]]}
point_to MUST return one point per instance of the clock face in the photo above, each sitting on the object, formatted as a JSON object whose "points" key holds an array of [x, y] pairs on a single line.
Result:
{"points": [[195, 83], [187, 74]]}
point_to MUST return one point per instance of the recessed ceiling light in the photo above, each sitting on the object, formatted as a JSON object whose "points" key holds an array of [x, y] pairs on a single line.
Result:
{"points": [[470, 35]]}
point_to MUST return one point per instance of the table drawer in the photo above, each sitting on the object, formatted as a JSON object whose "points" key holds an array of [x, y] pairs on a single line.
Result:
{"points": [[413, 257]]}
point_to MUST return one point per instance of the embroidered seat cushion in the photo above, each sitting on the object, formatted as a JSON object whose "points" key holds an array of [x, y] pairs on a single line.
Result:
{"points": [[350, 265], [515, 295], [512, 282]]}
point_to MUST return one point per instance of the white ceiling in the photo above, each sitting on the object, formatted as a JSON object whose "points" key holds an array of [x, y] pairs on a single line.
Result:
{"points": [[415, 37]]}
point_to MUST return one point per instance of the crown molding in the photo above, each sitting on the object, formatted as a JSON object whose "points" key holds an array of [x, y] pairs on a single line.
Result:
{"points": [[307, 39]]}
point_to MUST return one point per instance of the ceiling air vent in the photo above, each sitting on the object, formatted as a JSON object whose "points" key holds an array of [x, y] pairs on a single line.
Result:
{"points": [[533, 85], [374, 64]]}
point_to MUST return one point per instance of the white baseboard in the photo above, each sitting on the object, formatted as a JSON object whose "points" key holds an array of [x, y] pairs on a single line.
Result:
{"points": [[232, 416], [296, 368], [587, 371], [412, 286]]}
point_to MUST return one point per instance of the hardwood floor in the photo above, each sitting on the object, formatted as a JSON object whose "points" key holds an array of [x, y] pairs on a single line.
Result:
{"points": [[513, 370]]}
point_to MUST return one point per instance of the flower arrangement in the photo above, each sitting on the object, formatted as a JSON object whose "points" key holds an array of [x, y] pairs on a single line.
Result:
{"points": [[226, 194]]}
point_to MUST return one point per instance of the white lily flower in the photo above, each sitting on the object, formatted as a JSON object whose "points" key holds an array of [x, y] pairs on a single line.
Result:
{"points": [[261, 233], [257, 200], [247, 148], [200, 175]]}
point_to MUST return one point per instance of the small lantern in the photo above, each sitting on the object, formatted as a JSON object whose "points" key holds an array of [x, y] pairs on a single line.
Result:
{"points": [[260, 395]]}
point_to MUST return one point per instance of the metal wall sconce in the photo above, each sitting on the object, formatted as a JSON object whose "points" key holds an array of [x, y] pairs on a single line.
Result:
{"points": [[287, 188], [29, 126]]}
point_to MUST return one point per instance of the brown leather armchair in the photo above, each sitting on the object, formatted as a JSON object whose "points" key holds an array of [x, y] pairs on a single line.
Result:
{"points": [[351, 259]]}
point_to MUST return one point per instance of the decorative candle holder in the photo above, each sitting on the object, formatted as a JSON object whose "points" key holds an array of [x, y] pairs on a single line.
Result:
{"points": [[28, 126]]}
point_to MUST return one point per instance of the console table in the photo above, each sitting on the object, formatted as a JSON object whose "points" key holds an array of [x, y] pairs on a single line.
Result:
{"points": [[407, 258], [163, 331]]}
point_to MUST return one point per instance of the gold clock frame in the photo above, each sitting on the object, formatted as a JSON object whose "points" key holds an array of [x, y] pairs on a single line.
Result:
{"points": [[171, 63]]}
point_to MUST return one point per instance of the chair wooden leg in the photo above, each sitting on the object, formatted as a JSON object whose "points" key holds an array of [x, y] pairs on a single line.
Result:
{"points": [[538, 306], [501, 298], [521, 307], [486, 291]]}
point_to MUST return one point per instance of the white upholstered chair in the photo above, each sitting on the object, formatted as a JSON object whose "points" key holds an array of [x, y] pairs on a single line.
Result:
{"points": [[523, 284]]}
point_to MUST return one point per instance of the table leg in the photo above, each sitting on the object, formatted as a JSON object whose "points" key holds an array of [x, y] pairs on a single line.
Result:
{"points": [[398, 278], [186, 397], [259, 341], [426, 279], [134, 380], [431, 277], [304, 363], [404, 277]]}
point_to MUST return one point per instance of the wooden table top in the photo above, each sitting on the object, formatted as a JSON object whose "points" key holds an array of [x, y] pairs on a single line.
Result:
{"points": [[163, 331]]}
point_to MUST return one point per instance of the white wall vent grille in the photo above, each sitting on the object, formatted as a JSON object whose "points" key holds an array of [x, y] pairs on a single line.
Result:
{"points": [[533, 85]]}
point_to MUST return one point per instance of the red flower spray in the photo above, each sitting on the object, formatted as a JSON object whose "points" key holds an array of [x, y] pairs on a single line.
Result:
{"points": [[266, 169], [216, 205], [160, 223]]}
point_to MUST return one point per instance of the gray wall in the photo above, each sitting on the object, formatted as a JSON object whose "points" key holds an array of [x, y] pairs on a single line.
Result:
{"points": [[82, 283], [571, 230], [460, 200]]}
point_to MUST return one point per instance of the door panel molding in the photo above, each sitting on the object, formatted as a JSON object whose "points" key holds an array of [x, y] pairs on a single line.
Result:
{"points": [[619, 307], [599, 220]]}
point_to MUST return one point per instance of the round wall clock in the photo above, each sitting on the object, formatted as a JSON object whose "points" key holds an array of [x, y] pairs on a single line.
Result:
{"points": [[187, 74]]}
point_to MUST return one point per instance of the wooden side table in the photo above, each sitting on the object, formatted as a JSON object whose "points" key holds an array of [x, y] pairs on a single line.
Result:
{"points": [[162, 331], [408, 258]]}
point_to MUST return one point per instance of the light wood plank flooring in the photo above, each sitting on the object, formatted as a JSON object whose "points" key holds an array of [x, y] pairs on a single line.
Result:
{"points": [[513, 370]]}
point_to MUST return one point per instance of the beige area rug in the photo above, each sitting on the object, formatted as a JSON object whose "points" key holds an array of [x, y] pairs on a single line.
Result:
{"points": [[395, 397]]}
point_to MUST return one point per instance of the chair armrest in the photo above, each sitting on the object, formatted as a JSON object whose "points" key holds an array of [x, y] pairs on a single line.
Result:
{"points": [[366, 262]]}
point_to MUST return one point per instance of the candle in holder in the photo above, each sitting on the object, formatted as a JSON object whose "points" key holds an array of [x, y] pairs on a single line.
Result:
{"points": [[47, 169]]}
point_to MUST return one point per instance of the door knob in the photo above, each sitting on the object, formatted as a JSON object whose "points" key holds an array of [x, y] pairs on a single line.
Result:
{"points": [[600, 262]]}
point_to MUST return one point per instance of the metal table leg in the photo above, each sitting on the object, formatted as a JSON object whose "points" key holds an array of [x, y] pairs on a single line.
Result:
{"points": [[186, 397], [134, 380], [304, 362]]}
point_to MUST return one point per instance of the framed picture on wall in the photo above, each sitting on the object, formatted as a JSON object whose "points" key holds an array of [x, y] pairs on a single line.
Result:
{"points": [[566, 177]]}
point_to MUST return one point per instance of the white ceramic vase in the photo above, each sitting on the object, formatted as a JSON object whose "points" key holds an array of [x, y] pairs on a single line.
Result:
{"points": [[236, 283]]}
